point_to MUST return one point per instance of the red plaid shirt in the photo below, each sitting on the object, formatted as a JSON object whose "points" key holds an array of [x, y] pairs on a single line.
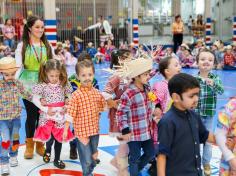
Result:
{"points": [[135, 113], [229, 59]]}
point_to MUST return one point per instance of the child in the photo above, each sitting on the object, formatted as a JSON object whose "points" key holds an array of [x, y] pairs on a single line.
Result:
{"points": [[109, 48], [210, 86], [134, 115], [69, 58], [181, 50], [99, 57], [168, 67], [54, 89], [226, 129], [229, 59], [113, 90], [187, 59], [83, 111], [75, 83], [59, 53], [10, 112], [91, 50], [180, 130]]}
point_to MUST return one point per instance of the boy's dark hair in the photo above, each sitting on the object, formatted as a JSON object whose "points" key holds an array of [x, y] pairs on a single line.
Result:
{"points": [[208, 51], [84, 64], [182, 82], [163, 64], [84, 55]]}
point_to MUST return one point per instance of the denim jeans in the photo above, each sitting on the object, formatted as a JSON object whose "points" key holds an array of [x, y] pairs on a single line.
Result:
{"points": [[85, 154], [207, 148], [136, 161], [9, 130], [9, 42]]}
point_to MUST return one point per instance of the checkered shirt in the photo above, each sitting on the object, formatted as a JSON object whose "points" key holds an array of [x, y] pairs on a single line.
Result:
{"points": [[84, 107], [135, 113], [10, 93], [208, 95]]}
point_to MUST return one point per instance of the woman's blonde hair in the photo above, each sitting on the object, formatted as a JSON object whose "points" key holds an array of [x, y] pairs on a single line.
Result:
{"points": [[53, 64]]}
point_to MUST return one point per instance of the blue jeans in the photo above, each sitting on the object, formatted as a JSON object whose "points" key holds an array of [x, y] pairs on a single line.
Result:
{"points": [[207, 148], [9, 130], [136, 161], [86, 154], [9, 42]]}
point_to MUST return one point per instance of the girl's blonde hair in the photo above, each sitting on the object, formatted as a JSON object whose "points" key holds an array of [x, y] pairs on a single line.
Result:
{"points": [[53, 64]]}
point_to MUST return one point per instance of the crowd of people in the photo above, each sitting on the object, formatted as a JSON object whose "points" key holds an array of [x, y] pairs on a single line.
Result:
{"points": [[163, 124]]}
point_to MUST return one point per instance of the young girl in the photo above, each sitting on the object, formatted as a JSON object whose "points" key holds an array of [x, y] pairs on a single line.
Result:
{"points": [[225, 130], [83, 111], [168, 67], [187, 59], [54, 89], [114, 88]]}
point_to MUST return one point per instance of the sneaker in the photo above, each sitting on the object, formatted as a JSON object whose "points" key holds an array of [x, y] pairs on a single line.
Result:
{"points": [[207, 170], [73, 154], [5, 170], [13, 161], [59, 164]]}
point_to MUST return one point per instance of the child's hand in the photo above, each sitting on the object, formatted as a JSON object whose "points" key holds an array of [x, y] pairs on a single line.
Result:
{"points": [[51, 112], [67, 101], [84, 140], [65, 133], [209, 81], [157, 114], [232, 163], [230, 143], [43, 102], [126, 137]]}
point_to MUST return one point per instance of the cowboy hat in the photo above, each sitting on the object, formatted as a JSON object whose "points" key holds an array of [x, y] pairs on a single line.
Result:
{"points": [[8, 64]]}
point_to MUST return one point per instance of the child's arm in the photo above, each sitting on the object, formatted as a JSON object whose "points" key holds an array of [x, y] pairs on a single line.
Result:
{"points": [[218, 86], [211, 138], [122, 114], [23, 92], [161, 165]]}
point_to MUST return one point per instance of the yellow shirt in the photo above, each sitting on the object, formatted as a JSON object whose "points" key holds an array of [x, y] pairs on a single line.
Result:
{"points": [[178, 28]]}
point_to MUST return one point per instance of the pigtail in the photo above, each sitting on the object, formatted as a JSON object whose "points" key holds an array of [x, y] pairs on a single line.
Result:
{"points": [[63, 75]]}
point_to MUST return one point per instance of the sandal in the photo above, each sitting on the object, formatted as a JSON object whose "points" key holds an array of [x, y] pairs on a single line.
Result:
{"points": [[46, 157], [59, 164]]}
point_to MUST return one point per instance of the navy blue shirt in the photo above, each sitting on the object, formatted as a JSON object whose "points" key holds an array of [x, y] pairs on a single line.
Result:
{"points": [[179, 136]]}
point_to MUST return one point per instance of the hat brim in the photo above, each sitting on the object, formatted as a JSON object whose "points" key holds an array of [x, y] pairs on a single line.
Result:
{"points": [[9, 70]]}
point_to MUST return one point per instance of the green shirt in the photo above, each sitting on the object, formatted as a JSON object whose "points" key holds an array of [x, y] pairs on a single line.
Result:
{"points": [[208, 95]]}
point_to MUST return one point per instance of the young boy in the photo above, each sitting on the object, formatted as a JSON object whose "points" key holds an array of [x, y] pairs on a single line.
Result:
{"points": [[75, 83], [83, 110], [181, 130], [10, 111], [210, 86], [134, 115]]}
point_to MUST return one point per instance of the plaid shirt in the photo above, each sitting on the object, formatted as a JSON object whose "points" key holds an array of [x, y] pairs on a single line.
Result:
{"points": [[84, 107], [10, 93], [135, 113], [208, 95]]}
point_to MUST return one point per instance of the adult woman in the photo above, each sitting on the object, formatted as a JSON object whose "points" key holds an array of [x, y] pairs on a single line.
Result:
{"points": [[30, 53], [8, 32], [177, 30], [198, 28]]}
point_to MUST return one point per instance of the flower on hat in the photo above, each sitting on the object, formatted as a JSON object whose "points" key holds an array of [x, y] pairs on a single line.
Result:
{"points": [[152, 97]]}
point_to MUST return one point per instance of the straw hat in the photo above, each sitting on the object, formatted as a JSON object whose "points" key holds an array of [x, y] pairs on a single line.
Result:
{"points": [[8, 64], [234, 43], [185, 46], [228, 47], [77, 39], [90, 44], [217, 44]]}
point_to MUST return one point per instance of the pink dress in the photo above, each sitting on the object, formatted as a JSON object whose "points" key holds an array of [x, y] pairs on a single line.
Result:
{"points": [[115, 87], [54, 94]]}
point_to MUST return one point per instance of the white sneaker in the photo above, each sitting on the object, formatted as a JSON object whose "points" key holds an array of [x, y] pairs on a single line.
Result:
{"points": [[5, 170], [13, 161]]}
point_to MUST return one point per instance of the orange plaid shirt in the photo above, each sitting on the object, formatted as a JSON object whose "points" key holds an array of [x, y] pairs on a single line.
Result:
{"points": [[84, 107]]}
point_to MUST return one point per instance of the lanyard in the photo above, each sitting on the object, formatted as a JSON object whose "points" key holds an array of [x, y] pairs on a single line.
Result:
{"points": [[35, 52]]}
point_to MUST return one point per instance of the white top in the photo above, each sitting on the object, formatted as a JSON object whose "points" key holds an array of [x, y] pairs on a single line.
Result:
{"points": [[106, 25]]}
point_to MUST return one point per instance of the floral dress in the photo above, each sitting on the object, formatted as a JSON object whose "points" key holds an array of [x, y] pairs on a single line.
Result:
{"points": [[227, 122], [54, 94]]}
